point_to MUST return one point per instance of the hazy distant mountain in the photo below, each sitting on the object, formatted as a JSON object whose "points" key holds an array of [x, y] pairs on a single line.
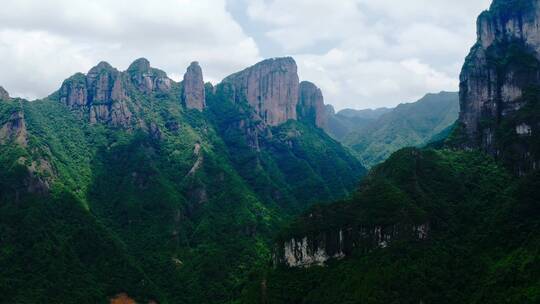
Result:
{"points": [[411, 124], [348, 121]]}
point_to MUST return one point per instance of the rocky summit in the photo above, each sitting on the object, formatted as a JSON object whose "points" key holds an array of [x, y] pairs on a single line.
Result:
{"points": [[193, 94], [311, 105], [148, 79], [500, 82], [270, 87]]}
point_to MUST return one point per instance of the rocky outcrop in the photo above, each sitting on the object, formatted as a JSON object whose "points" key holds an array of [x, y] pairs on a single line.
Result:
{"points": [[4, 94], [14, 130], [147, 79], [101, 94], [271, 87], [500, 77], [311, 106], [314, 250], [193, 94]]}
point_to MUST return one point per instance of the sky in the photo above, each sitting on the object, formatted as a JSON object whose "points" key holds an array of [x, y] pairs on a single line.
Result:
{"points": [[361, 53]]}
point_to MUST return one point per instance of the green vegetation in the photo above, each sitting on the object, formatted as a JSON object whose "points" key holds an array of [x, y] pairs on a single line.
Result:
{"points": [[407, 125], [482, 245], [179, 207]]}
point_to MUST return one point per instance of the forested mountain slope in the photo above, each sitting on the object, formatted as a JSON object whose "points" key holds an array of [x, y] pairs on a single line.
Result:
{"points": [[129, 182]]}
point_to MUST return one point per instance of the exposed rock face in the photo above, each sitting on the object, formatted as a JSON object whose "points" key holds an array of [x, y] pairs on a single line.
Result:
{"points": [[311, 105], [14, 130], [107, 96], [502, 69], [193, 94], [147, 79], [101, 93], [3, 94], [317, 250], [271, 87]]}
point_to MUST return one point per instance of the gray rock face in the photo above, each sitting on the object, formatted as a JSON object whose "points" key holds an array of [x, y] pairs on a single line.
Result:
{"points": [[147, 79], [101, 93], [311, 105], [317, 250], [271, 87], [502, 65], [193, 94], [3, 94], [14, 130]]}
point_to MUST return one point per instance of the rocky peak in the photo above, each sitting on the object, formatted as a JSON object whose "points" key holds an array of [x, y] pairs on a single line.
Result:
{"points": [[147, 79], [73, 92], [101, 94], [3, 94], [311, 105], [271, 87], [105, 84], [510, 20], [193, 94], [499, 76]]}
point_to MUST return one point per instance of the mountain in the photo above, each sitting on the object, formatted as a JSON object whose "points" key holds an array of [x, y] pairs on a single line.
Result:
{"points": [[408, 231], [129, 185], [452, 224], [348, 121], [500, 85], [412, 124]]}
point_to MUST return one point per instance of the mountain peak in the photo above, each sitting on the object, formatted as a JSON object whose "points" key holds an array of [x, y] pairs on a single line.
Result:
{"points": [[141, 64], [100, 67], [193, 94], [498, 81], [311, 104], [271, 87], [147, 79]]}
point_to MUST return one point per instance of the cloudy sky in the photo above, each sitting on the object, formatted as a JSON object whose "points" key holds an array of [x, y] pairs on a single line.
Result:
{"points": [[362, 53]]}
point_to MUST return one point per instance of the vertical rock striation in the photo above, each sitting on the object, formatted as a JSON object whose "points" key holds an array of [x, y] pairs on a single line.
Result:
{"points": [[193, 94], [104, 93], [311, 106], [101, 94], [317, 249], [500, 83], [147, 79], [271, 87]]}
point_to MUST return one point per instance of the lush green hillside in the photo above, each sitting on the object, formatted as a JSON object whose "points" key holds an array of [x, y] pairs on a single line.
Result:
{"points": [[412, 124], [154, 200], [481, 246]]}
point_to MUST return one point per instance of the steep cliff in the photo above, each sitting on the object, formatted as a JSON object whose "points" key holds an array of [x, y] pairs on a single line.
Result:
{"points": [[101, 94], [311, 106], [500, 83], [317, 249], [193, 94], [270, 87], [148, 79]]}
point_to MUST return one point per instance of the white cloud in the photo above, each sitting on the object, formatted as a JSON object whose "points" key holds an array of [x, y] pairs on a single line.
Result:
{"points": [[44, 42], [383, 51], [362, 53]]}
